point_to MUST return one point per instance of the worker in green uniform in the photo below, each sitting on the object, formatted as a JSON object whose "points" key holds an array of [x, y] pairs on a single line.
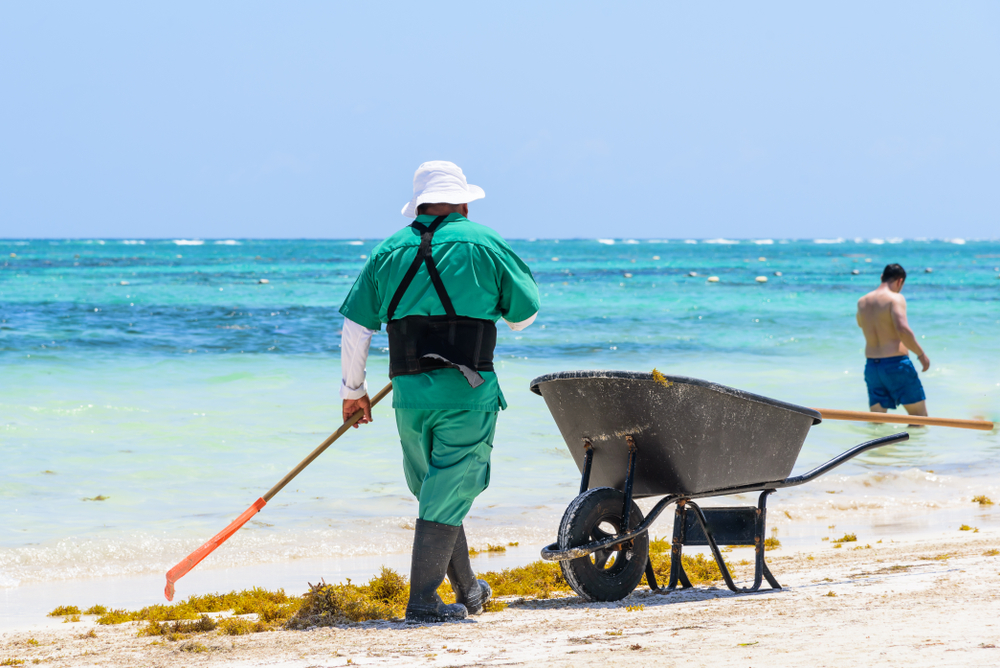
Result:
{"points": [[439, 284]]}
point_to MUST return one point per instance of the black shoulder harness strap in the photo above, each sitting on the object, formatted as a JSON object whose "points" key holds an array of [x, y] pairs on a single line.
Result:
{"points": [[423, 257], [422, 343]]}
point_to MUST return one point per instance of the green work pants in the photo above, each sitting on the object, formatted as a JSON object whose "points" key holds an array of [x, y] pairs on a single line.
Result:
{"points": [[446, 458]]}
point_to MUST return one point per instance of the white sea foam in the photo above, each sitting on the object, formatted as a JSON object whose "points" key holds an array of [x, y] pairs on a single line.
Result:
{"points": [[763, 242], [838, 240], [355, 243], [731, 242], [877, 242], [227, 242], [133, 242], [256, 543], [608, 242], [960, 242], [188, 242], [630, 241], [873, 494], [690, 241], [894, 240]]}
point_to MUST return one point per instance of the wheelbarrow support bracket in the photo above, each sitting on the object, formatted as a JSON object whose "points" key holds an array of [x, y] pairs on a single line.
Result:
{"points": [[588, 462], [733, 526]]}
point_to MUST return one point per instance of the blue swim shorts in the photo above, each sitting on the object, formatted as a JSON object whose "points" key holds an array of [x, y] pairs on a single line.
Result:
{"points": [[893, 381]]}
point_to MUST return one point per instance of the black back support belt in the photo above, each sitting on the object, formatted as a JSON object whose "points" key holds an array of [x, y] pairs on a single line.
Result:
{"points": [[422, 343]]}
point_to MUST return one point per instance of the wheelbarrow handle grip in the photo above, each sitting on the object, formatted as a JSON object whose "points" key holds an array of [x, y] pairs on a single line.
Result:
{"points": [[841, 458]]}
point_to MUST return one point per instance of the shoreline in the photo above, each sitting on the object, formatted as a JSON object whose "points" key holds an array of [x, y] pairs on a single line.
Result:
{"points": [[918, 602], [801, 521], [26, 607]]}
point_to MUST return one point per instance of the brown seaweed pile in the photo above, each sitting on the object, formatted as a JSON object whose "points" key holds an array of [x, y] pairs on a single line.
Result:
{"points": [[384, 597], [699, 569]]}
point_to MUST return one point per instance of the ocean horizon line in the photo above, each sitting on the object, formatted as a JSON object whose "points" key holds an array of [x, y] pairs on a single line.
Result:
{"points": [[193, 241]]}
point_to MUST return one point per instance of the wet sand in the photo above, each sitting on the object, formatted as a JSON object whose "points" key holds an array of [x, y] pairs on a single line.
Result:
{"points": [[903, 603]]}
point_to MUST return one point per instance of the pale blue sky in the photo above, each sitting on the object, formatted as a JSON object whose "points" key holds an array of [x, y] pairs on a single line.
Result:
{"points": [[646, 120]]}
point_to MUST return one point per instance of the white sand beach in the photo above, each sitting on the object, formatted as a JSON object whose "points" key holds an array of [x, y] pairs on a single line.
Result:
{"points": [[898, 603]]}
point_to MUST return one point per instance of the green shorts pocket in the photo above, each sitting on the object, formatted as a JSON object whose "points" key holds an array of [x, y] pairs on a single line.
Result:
{"points": [[477, 472]]}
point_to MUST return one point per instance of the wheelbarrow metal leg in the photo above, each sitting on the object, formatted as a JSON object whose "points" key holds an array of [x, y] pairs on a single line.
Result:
{"points": [[770, 578], [677, 574], [761, 525], [651, 576]]}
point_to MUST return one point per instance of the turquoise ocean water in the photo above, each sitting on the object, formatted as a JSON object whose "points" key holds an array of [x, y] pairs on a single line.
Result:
{"points": [[163, 377]]}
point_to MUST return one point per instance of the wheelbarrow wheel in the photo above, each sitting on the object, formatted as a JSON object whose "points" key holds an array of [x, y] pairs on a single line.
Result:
{"points": [[606, 575]]}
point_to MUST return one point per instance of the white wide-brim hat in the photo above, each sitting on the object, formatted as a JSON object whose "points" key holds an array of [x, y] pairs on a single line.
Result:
{"points": [[440, 181]]}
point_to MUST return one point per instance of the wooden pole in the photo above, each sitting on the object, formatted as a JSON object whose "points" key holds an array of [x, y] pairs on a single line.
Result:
{"points": [[865, 416], [325, 444]]}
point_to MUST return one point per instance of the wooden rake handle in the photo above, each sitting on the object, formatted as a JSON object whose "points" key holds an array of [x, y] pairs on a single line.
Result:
{"points": [[865, 416], [325, 444]]}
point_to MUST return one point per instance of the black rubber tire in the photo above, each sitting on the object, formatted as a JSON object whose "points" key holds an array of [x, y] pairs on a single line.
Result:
{"points": [[597, 577]]}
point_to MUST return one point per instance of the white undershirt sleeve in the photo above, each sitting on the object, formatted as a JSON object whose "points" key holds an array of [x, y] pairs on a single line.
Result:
{"points": [[354, 343], [518, 326]]}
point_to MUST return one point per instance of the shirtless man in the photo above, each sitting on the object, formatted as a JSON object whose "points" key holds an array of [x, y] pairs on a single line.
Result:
{"points": [[892, 380]]}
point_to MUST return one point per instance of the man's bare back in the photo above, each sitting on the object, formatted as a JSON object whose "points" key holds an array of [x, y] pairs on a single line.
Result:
{"points": [[877, 315], [888, 341]]}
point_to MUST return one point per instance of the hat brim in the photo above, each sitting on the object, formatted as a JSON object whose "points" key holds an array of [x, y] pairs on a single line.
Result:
{"points": [[443, 197]]}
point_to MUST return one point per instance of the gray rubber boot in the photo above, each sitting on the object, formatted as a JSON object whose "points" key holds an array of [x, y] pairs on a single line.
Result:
{"points": [[468, 590], [433, 544]]}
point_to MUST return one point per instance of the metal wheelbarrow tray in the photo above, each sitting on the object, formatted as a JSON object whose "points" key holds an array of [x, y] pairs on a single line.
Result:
{"points": [[634, 436]]}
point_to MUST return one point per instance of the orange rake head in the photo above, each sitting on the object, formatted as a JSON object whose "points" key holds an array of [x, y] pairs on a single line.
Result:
{"points": [[195, 558]]}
